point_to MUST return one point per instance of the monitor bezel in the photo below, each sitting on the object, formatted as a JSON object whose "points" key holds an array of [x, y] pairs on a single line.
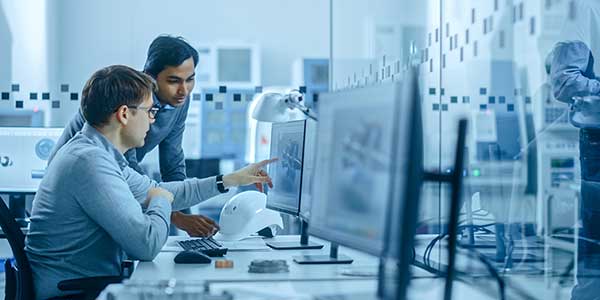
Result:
{"points": [[305, 216], [394, 271]]}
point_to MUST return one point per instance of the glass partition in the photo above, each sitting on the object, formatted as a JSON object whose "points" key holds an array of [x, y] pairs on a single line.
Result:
{"points": [[511, 68]]}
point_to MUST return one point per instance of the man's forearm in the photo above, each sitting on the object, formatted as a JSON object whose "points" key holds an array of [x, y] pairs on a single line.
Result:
{"points": [[191, 191]]}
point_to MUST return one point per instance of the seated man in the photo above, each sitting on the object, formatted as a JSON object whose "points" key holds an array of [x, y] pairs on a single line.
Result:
{"points": [[91, 209]]}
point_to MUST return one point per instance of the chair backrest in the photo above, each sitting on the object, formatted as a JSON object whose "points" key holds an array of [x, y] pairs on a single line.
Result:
{"points": [[16, 239]]}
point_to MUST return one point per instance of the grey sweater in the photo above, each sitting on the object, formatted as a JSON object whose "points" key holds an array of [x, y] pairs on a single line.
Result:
{"points": [[88, 214]]}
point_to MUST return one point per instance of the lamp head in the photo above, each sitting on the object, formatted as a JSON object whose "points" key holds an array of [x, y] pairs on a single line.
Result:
{"points": [[278, 108]]}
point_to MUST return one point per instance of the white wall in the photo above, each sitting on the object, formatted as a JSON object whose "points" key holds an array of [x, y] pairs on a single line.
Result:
{"points": [[6, 39], [25, 54], [98, 33], [26, 34]]}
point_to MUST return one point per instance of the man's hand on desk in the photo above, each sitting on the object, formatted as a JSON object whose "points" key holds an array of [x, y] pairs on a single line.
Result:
{"points": [[250, 174], [194, 225]]}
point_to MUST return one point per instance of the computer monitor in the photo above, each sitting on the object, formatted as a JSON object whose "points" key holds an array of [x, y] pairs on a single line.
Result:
{"points": [[229, 63], [24, 153], [353, 173], [407, 180], [287, 144]]}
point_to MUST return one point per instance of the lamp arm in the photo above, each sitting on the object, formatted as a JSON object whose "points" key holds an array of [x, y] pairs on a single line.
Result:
{"points": [[305, 110]]}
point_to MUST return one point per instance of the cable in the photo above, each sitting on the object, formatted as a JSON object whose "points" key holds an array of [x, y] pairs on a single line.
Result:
{"points": [[429, 249], [570, 267], [431, 245], [493, 272], [490, 268]]}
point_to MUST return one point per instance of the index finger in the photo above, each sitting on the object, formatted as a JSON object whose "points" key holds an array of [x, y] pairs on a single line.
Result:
{"points": [[266, 162]]}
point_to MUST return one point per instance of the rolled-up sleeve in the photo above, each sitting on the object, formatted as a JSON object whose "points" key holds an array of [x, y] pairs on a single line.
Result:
{"points": [[108, 200], [572, 71], [191, 191]]}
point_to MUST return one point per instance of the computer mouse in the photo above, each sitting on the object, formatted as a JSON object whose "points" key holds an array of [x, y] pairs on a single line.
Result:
{"points": [[191, 257]]}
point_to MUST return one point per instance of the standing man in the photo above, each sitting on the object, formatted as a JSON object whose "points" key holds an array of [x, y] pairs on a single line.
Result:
{"points": [[171, 62], [573, 76]]}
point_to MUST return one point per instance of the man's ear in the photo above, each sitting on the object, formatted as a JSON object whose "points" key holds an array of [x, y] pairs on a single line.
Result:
{"points": [[123, 114]]}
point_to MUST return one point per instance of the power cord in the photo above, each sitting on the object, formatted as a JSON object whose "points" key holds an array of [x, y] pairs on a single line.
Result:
{"points": [[490, 268], [431, 245]]}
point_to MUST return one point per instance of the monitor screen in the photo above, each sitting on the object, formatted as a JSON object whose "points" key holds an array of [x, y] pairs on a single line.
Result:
{"points": [[24, 155], [308, 168], [353, 167], [234, 65], [287, 143]]}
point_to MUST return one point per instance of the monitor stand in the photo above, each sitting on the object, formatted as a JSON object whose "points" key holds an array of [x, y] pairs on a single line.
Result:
{"points": [[332, 258], [303, 244]]}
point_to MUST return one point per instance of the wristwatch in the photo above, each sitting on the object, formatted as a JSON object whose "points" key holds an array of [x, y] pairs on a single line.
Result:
{"points": [[220, 185]]}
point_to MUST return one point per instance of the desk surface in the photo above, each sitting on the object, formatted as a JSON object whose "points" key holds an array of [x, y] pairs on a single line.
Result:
{"points": [[299, 283], [163, 267]]}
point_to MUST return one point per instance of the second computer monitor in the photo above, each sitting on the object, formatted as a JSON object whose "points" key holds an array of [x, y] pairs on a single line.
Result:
{"points": [[353, 166], [287, 144]]}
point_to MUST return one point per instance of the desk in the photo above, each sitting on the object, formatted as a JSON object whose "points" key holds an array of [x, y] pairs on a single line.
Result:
{"points": [[163, 267], [301, 282]]}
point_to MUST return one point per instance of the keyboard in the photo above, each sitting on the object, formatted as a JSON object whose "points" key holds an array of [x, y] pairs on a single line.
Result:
{"points": [[207, 246]]}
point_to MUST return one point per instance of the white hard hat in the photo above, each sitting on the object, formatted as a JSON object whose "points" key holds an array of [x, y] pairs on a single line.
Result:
{"points": [[246, 214]]}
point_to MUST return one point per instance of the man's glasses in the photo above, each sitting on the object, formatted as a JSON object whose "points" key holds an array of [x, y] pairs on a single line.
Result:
{"points": [[152, 110]]}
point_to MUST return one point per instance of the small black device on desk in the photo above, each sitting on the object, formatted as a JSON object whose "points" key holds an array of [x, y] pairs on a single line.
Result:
{"points": [[207, 246], [191, 257]]}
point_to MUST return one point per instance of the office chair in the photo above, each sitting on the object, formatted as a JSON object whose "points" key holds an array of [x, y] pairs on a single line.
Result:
{"points": [[19, 279]]}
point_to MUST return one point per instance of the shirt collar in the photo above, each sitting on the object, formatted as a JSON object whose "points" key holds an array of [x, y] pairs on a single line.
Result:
{"points": [[157, 103], [99, 139]]}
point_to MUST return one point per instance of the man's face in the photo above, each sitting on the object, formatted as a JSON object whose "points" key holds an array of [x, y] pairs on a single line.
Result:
{"points": [[176, 83], [139, 123]]}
